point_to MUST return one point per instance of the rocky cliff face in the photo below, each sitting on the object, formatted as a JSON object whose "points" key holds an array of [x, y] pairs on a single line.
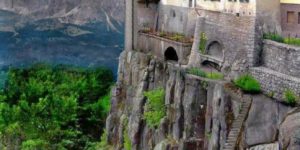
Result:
{"points": [[200, 112], [68, 11]]}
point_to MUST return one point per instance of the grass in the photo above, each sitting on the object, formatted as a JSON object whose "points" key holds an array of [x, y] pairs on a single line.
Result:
{"points": [[248, 84], [155, 108], [203, 41], [280, 39], [209, 75], [290, 97], [177, 37], [197, 72], [214, 75]]}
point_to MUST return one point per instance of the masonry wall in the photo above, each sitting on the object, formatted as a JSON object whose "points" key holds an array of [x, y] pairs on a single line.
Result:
{"points": [[235, 34], [290, 29], [143, 17], [177, 19], [268, 16], [157, 46], [276, 83], [282, 58]]}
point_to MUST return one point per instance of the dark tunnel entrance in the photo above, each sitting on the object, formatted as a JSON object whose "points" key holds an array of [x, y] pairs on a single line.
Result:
{"points": [[170, 54]]}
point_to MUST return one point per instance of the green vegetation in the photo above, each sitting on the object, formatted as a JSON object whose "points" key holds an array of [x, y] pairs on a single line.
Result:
{"points": [[177, 37], [290, 97], [214, 75], [59, 107], [248, 84], [127, 141], [274, 37], [155, 107], [202, 44], [102, 145], [271, 94], [197, 72], [209, 75], [280, 39]]}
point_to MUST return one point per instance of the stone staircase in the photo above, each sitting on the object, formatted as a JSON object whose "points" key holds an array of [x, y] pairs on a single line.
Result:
{"points": [[237, 125]]}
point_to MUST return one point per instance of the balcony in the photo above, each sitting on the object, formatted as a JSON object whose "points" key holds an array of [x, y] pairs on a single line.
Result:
{"points": [[171, 47]]}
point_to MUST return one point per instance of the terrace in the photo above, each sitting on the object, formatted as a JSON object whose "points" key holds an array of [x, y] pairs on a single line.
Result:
{"points": [[172, 47]]}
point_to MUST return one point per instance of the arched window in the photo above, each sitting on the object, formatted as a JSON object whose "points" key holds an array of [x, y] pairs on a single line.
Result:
{"points": [[170, 54], [215, 49]]}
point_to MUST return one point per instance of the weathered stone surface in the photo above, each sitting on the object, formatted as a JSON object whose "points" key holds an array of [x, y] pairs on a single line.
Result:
{"points": [[275, 82], [263, 121], [281, 57], [194, 106], [289, 132], [273, 146]]}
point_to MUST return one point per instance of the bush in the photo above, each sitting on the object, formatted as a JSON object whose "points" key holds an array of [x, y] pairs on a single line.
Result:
{"points": [[177, 37], [202, 44], [127, 142], [209, 75], [292, 41], [290, 97], [248, 84], [197, 72], [155, 107], [61, 106], [280, 39], [215, 75], [274, 37]]}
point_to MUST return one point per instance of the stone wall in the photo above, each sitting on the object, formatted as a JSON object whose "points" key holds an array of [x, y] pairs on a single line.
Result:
{"points": [[177, 19], [235, 34], [290, 29], [274, 82], [158, 45], [281, 57]]}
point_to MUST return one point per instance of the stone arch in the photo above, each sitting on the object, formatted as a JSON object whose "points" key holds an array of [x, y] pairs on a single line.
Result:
{"points": [[171, 54], [212, 64], [215, 49]]}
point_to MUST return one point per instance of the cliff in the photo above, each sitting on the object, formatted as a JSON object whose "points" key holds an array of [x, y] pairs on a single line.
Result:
{"points": [[200, 113], [68, 11]]}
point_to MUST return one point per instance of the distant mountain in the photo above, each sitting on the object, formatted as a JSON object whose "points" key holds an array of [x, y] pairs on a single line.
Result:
{"points": [[69, 11]]}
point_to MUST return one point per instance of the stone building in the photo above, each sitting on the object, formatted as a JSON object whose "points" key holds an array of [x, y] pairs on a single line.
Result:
{"points": [[290, 18]]}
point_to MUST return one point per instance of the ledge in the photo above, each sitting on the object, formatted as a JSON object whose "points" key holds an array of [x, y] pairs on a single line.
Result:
{"points": [[184, 44], [281, 45], [211, 58]]}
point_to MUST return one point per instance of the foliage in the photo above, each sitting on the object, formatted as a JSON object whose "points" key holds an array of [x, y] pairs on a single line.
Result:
{"points": [[102, 145], [280, 39], [271, 94], [209, 75], [248, 84], [292, 41], [162, 34], [177, 37], [290, 97], [59, 107], [214, 75], [197, 72], [127, 141], [202, 44], [155, 107], [273, 37]]}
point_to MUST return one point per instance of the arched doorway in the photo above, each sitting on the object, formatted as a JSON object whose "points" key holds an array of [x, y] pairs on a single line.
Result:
{"points": [[170, 54], [214, 49]]}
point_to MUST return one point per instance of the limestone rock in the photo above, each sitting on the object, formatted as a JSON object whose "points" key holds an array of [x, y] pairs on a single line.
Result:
{"points": [[272, 146], [289, 133], [263, 121]]}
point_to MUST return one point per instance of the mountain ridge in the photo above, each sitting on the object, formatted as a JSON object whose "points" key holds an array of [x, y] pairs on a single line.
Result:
{"points": [[68, 11]]}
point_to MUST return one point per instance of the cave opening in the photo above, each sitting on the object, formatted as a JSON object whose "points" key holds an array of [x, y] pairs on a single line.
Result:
{"points": [[170, 54]]}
